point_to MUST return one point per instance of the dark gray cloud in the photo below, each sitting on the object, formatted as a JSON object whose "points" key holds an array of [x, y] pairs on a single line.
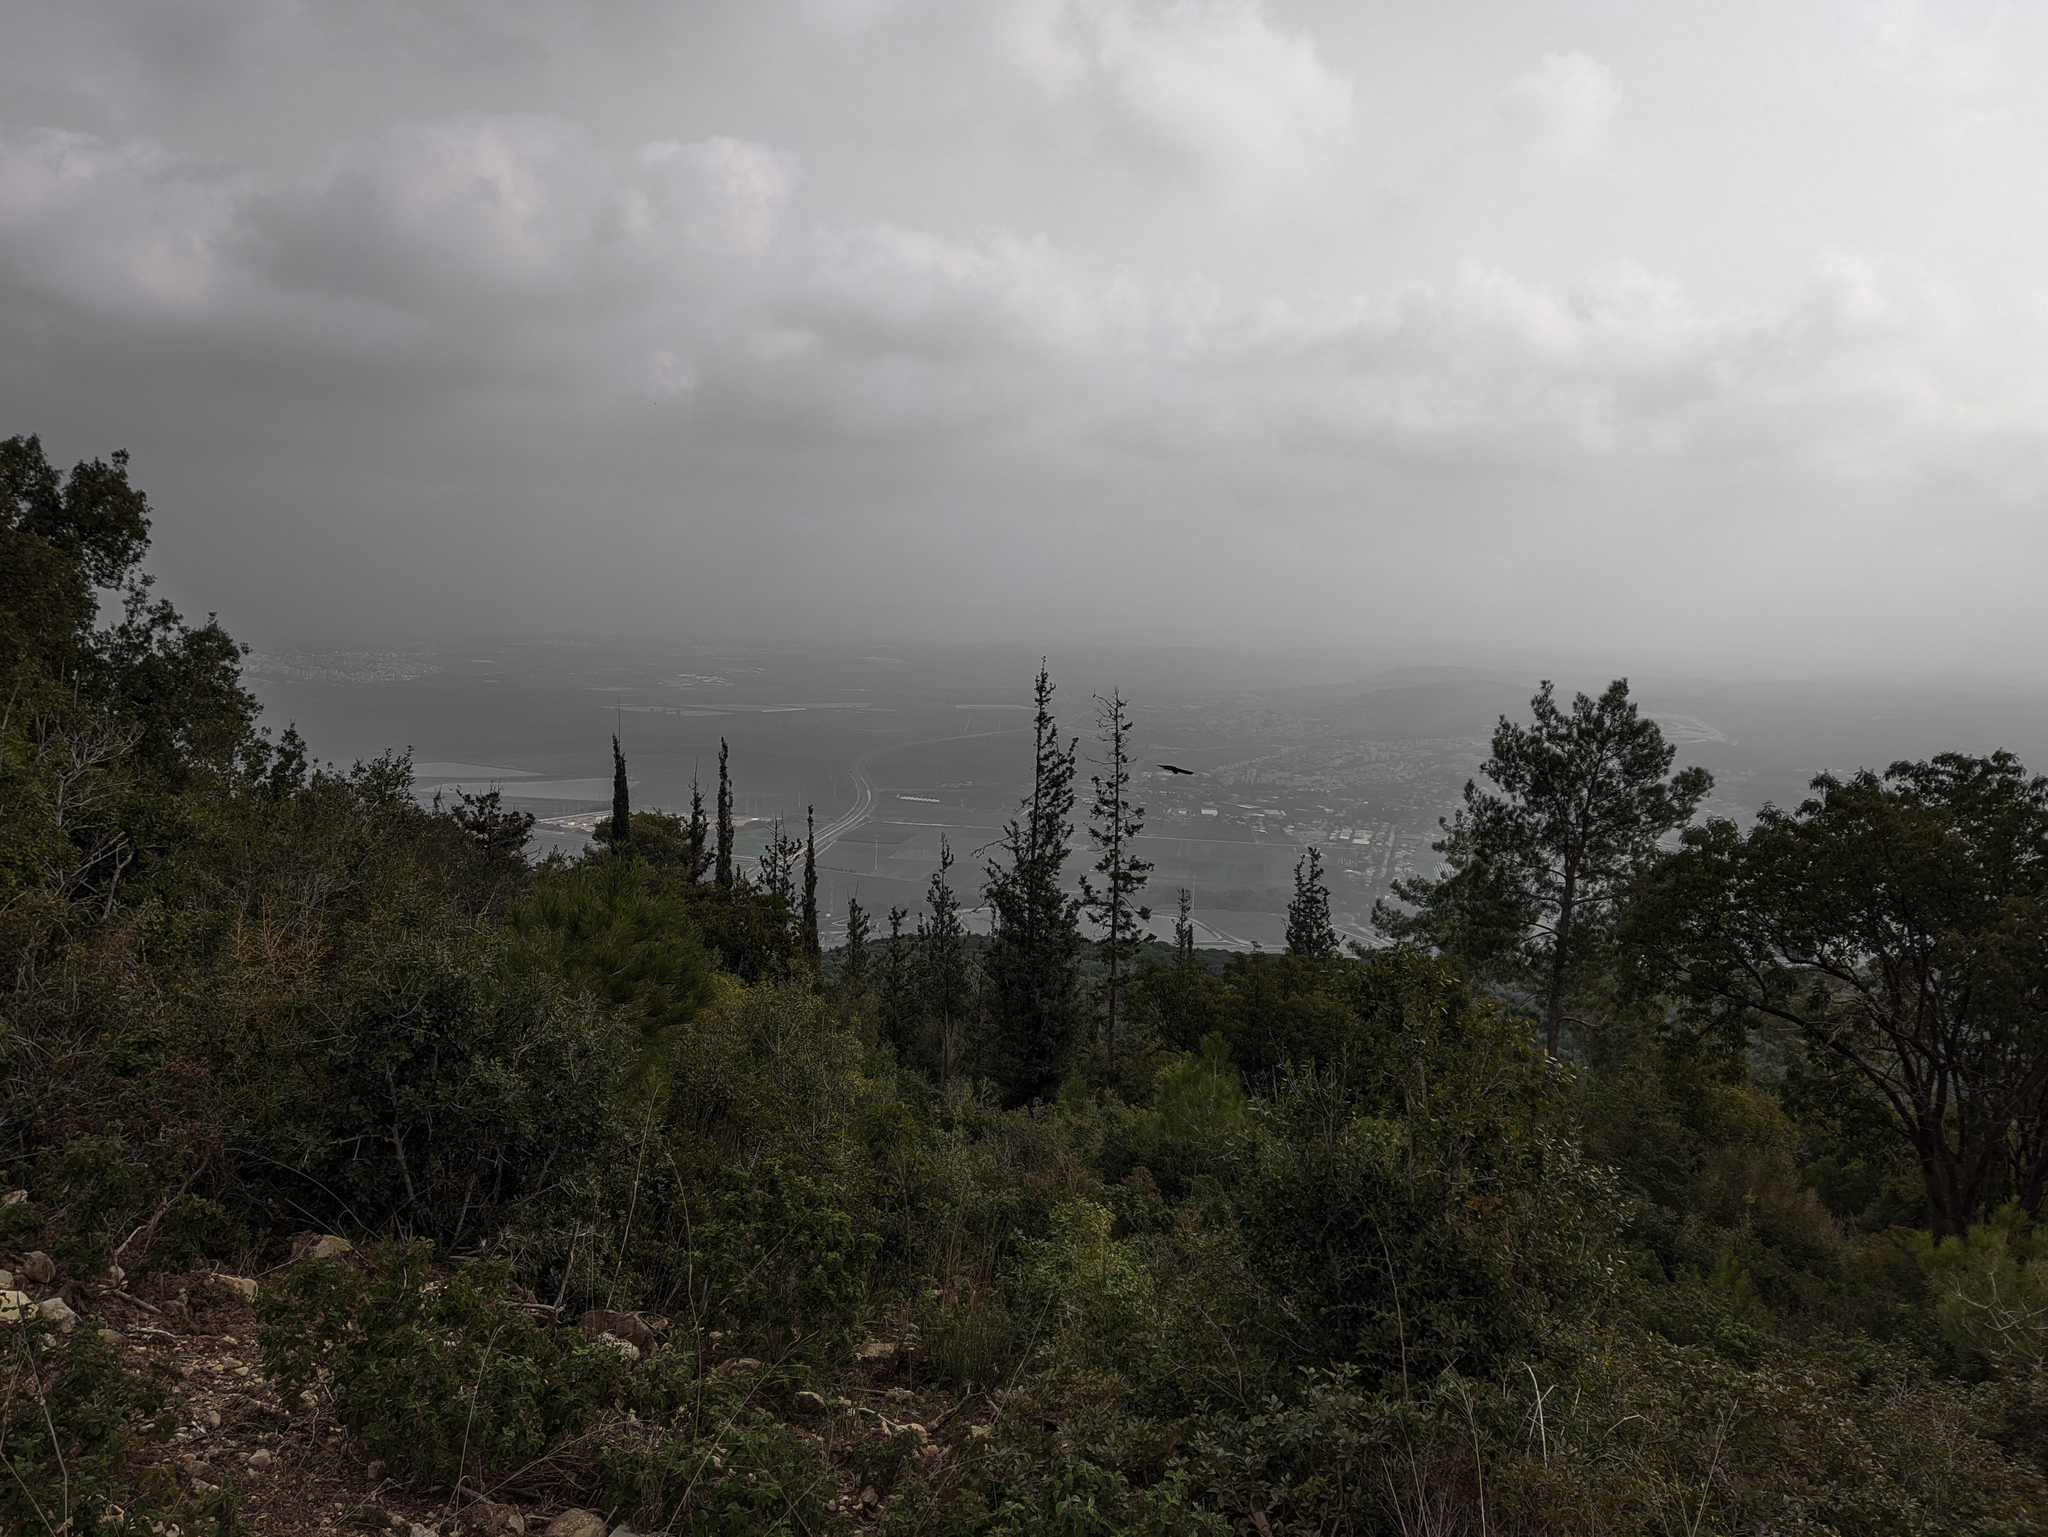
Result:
{"points": [[1166, 317]]}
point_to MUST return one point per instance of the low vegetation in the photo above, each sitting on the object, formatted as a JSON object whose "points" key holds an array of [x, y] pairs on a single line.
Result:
{"points": [[1657, 1177]]}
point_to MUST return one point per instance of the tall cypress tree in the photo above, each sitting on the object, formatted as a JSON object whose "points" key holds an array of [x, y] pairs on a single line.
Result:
{"points": [[700, 831], [724, 820], [622, 810], [1309, 934], [1034, 954], [1184, 933], [899, 983], [853, 962], [809, 937], [1113, 826], [942, 964]]}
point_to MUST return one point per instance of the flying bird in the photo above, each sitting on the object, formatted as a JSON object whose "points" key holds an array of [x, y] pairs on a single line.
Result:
{"points": [[1173, 768]]}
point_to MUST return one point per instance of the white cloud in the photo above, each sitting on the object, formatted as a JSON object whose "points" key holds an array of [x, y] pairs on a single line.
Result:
{"points": [[725, 194], [1561, 109], [668, 272], [1214, 80], [126, 225]]}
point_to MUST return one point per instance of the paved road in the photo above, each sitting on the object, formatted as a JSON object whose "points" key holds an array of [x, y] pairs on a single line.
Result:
{"points": [[864, 785]]}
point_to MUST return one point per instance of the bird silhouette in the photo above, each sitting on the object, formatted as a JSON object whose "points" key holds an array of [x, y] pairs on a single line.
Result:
{"points": [[1173, 768]]}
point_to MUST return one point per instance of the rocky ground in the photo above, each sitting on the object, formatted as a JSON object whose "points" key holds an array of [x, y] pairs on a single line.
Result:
{"points": [[297, 1474]]}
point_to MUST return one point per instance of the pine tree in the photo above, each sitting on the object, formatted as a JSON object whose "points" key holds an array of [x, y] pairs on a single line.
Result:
{"points": [[724, 820], [1034, 953], [622, 811], [1309, 934], [1184, 933], [778, 871], [853, 962], [942, 964], [1114, 825], [899, 984], [699, 831], [809, 918], [1537, 870]]}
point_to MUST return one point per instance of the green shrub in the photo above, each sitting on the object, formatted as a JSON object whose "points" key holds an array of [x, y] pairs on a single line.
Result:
{"points": [[783, 1265], [715, 1464], [1991, 1292], [75, 1435], [440, 1379]]}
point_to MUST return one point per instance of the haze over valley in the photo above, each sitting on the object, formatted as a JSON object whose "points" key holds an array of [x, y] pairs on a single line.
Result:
{"points": [[902, 746]]}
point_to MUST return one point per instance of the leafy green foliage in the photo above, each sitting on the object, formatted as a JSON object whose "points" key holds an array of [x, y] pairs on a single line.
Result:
{"points": [[783, 1266], [439, 1378], [450, 1379], [1991, 1292], [1034, 954], [1535, 874], [76, 1433], [1334, 1243], [1896, 923], [622, 937]]}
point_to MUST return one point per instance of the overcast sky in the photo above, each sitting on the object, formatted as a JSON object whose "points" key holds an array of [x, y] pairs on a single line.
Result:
{"points": [[1714, 330]]}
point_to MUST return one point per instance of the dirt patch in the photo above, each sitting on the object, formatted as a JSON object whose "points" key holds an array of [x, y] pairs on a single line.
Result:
{"points": [[297, 1474]]}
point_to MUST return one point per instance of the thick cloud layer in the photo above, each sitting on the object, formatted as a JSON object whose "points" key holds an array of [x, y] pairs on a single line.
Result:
{"points": [[1694, 337]]}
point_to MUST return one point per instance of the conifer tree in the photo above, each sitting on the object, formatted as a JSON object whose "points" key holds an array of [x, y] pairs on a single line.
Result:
{"points": [[899, 1004], [809, 919], [1184, 933], [1034, 953], [1113, 826], [724, 820], [1537, 869], [1309, 933], [699, 831], [942, 964], [853, 963], [622, 811], [777, 872]]}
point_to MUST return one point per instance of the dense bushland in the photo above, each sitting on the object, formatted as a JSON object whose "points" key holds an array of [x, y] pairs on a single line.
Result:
{"points": [[1308, 1242]]}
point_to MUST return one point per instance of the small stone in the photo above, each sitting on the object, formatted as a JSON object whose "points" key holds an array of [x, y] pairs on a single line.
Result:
{"points": [[576, 1523], [241, 1286], [876, 1350], [422, 1531], [740, 1364], [625, 1348], [13, 1198], [113, 1339], [809, 1404], [213, 1420], [869, 1498], [57, 1311], [16, 1307], [898, 1395], [39, 1267], [491, 1519], [634, 1328], [259, 1460], [6, 1280], [329, 1246], [374, 1472]]}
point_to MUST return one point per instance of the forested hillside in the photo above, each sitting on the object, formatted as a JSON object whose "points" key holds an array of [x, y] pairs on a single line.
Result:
{"points": [[1658, 1176]]}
